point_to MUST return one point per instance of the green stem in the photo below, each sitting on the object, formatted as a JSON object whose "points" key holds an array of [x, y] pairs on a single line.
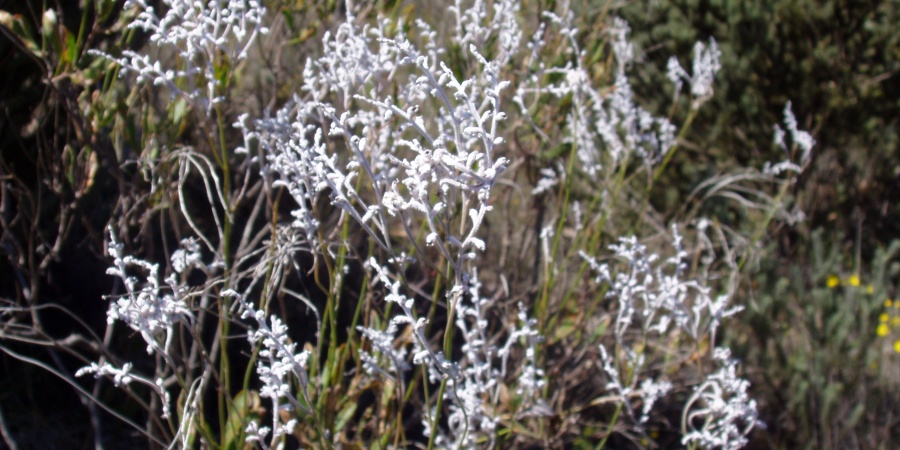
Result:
{"points": [[662, 167], [609, 430], [541, 308], [225, 397], [437, 414], [761, 229]]}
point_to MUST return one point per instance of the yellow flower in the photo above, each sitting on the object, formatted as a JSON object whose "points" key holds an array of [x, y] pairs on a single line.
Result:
{"points": [[888, 303], [832, 281], [853, 280], [870, 289], [883, 318], [895, 322], [882, 330], [897, 346]]}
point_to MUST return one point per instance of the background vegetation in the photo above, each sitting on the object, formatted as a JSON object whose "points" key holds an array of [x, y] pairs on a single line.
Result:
{"points": [[819, 339], [815, 348]]}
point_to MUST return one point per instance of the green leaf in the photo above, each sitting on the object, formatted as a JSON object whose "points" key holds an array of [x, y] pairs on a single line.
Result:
{"points": [[179, 112], [556, 152], [69, 54], [344, 416], [245, 408], [19, 27], [565, 328]]}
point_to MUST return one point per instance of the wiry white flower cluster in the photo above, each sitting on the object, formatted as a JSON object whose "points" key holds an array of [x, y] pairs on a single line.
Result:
{"points": [[475, 26], [466, 385], [385, 117], [444, 158], [653, 296], [124, 376], [383, 343], [186, 257], [144, 307], [199, 31], [278, 367], [720, 413], [473, 396], [650, 390], [550, 177], [298, 155], [383, 340], [398, 142], [531, 381], [476, 387], [121, 376], [600, 121], [656, 294], [802, 141], [706, 65]]}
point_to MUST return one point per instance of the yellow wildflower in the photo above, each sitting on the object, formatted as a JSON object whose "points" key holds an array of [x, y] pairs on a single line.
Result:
{"points": [[897, 346], [832, 281], [882, 330], [883, 318], [895, 322], [870, 289], [853, 280], [888, 303]]}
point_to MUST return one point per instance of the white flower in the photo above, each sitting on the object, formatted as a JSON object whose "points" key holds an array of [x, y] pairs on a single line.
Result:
{"points": [[720, 413], [706, 65], [199, 31], [124, 376], [143, 306]]}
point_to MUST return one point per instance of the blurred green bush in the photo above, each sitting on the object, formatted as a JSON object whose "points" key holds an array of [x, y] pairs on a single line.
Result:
{"points": [[836, 61], [815, 299], [812, 337]]}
